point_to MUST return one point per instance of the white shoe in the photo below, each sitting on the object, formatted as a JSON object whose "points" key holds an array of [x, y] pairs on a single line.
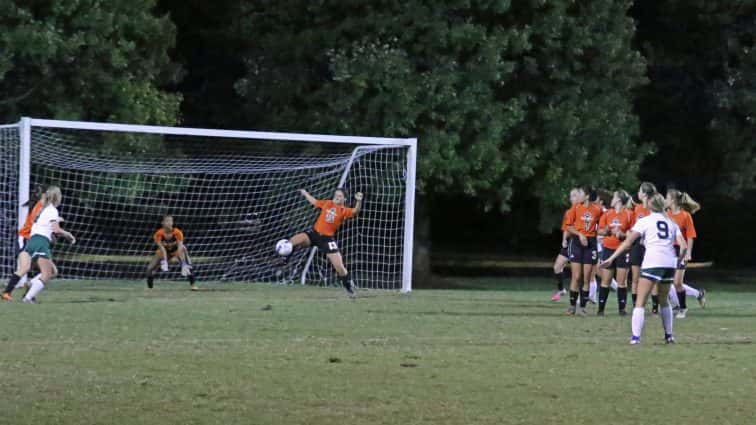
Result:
{"points": [[681, 313]]}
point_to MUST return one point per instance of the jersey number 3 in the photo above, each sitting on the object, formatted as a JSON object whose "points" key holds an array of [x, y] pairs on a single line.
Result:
{"points": [[663, 230]]}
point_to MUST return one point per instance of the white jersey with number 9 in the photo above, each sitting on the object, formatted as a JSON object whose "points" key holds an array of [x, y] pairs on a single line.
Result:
{"points": [[659, 233]]}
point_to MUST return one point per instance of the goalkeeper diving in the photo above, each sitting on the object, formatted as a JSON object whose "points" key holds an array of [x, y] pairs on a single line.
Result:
{"points": [[170, 247], [333, 212]]}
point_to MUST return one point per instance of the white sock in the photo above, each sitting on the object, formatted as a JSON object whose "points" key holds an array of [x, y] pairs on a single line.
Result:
{"points": [[36, 287], [21, 282], [691, 291], [592, 290], [614, 284], [673, 301], [666, 318], [639, 315]]}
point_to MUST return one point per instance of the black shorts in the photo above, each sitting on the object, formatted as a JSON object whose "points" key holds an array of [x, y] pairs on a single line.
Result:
{"points": [[622, 262], [579, 254], [636, 254], [565, 251], [680, 263], [324, 243]]}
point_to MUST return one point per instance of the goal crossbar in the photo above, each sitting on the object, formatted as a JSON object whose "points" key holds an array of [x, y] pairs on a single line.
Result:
{"points": [[235, 134]]}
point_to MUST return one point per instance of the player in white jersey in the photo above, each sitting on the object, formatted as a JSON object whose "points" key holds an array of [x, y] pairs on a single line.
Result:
{"points": [[45, 225], [659, 234]]}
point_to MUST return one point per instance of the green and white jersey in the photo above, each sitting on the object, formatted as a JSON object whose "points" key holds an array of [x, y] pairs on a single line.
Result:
{"points": [[43, 225], [659, 233]]}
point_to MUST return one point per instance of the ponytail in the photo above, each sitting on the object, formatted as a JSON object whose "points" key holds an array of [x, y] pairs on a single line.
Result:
{"points": [[684, 201]]}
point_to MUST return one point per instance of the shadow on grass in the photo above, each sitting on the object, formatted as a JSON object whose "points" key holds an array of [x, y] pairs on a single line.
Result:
{"points": [[555, 313]]}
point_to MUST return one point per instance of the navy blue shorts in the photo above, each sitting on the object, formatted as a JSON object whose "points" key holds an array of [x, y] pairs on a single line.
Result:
{"points": [[579, 254]]}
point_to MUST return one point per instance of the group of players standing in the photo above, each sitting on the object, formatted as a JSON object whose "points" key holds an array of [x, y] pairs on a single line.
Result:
{"points": [[652, 239]]}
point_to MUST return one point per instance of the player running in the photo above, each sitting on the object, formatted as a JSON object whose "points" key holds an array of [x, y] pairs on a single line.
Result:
{"points": [[659, 263], [581, 224], [614, 225], [680, 208], [332, 214], [24, 234], [560, 263], [170, 247], [45, 224]]}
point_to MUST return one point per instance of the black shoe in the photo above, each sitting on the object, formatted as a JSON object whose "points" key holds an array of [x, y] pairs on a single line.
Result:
{"points": [[655, 310], [349, 287], [599, 313], [623, 313]]}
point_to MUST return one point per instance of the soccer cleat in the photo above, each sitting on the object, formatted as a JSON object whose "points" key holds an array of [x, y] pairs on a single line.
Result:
{"points": [[349, 287], [702, 298], [6, 297], [623, 313], [655, 309], [563, 292], [593, 300], [557, 296], [600, 313], [28, 301], [669, 339], [634, 340], [193, 287], [582, 312], [571, 311], [682, 313]]}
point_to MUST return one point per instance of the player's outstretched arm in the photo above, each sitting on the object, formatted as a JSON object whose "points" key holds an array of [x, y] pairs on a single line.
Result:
{"points": [[59, 231], [311, 199], [357, 205]]}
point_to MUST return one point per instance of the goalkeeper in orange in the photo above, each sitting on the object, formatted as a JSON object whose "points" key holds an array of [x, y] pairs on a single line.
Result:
{"points": [[170, 247]]}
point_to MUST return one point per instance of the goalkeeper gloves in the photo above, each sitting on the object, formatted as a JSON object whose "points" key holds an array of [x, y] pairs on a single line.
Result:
{"points": [[164, 265], [186, 270]]}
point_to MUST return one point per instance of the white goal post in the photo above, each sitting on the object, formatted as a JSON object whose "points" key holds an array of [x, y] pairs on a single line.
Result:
{"points": [[233, 194]]}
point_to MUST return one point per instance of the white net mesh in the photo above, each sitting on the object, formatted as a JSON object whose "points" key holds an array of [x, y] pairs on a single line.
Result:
{"points": [[232, 198]]}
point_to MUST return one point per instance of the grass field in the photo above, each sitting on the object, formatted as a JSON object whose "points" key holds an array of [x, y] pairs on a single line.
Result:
{"points": [[111, 353]]}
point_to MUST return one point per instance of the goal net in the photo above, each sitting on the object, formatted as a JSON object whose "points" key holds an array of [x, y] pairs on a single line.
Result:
{"points": [[232, 193]]}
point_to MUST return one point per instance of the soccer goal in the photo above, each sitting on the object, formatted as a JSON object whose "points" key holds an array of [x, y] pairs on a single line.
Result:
{"points": [[232, 193]]}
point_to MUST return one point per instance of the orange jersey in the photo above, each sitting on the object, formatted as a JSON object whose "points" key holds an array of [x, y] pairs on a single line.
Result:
{"points": [[331, 217], [25, 231], [566, 217], [684, 221], [168, 240], [585, 219], [616, 221], [640, 212]]}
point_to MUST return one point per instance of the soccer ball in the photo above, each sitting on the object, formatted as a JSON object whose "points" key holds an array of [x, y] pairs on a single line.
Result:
{"points": [[283, 247]]}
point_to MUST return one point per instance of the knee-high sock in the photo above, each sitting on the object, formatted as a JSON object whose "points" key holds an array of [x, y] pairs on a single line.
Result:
{"points": [[691, 291], [560, 281], [639, 315], [666, 318], [603, 295], [621, 298], [12, 283], [681, 298], [673, 301], [36, 287]]}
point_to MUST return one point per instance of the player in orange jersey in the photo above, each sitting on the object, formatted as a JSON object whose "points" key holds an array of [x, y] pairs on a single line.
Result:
{"points": [[170, 247], [680, 208], [560, 263], [581, 224], [333, 212], [614, 225]]}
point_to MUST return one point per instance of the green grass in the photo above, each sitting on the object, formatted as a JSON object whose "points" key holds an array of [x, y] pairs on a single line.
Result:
{"points": [[110, 353]]}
